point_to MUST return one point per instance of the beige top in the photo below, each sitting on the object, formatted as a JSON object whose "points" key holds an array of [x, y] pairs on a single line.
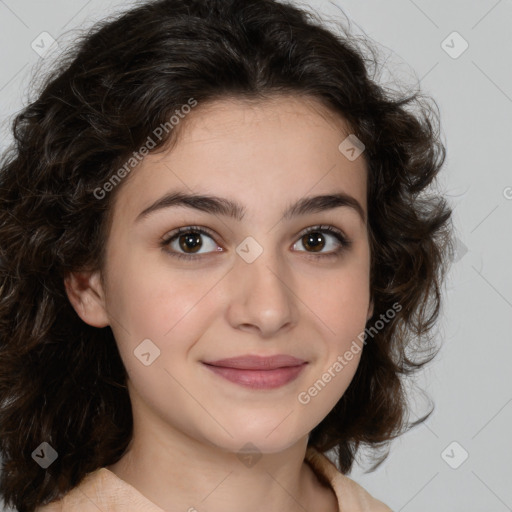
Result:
{"points": [[102, 490]]}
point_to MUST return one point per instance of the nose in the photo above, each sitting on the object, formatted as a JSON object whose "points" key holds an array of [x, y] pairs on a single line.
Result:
{"points": [[262, 297]]}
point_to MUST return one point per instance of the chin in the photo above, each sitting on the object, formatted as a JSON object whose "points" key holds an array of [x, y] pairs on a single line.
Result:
{"points": [[264, 439]]}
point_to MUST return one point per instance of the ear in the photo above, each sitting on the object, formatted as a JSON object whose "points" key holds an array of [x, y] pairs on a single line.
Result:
{"points": [[370, 311], [86, 294]]}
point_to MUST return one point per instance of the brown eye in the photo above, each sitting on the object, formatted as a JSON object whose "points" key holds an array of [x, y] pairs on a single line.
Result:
{"points": [[190, 242], [314, 241], [187, 241]]}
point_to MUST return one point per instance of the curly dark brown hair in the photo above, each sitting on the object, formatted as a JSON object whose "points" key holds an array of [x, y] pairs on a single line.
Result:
{"points": [[63, 381]]}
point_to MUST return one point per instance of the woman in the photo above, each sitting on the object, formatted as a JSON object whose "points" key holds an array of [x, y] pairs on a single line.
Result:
{"points": [[215, 256]]}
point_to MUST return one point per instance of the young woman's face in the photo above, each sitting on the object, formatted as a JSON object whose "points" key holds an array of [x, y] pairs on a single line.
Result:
{"points": [[255, 283]]}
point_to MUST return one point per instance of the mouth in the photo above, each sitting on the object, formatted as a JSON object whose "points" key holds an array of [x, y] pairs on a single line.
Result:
{"points": [[257, 372]]}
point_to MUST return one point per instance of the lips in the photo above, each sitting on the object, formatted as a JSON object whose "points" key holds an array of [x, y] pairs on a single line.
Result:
{"points": [[258, 372], [249, 362]]}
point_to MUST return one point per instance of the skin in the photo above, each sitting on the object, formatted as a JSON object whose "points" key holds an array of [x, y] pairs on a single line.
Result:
{"points": [[190, 424]]}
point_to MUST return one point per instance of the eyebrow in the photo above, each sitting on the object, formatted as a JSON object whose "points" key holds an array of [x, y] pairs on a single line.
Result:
{"points": [[226, 207]]}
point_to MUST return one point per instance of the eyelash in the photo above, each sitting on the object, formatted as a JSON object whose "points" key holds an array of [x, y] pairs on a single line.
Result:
{"points": [[345, 243]]}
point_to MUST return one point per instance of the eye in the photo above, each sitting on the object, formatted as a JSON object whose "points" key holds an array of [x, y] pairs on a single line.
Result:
{"points": [[314, 240], [186, 239], [186, 242]]}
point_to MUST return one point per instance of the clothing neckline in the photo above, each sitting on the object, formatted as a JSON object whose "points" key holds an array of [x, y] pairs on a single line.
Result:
{"points": [[323, 468], [103, 489]]}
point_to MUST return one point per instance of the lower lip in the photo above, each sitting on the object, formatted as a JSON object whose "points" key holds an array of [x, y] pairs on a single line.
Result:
{"points": [[259, 379]]}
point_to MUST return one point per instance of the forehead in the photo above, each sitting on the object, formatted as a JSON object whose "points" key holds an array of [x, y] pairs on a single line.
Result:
{"points": [[262, 153]]}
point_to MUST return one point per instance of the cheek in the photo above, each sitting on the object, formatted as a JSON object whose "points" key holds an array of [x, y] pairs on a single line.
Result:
{"points": [[181, 302], [162, 319], [173, 314], [150, 299], [341, 302], [342, 305]]}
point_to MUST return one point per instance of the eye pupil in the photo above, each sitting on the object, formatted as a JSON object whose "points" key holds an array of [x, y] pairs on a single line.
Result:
{"points": [[315, 241], [190, 241]]}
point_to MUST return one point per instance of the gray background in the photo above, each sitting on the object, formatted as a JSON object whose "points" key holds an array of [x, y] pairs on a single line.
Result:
{"points": [[470, 379]]}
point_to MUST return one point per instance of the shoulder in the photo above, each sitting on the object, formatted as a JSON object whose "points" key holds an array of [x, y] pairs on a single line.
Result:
{"points": [[101, 490], [90, 495], [351, 496]]}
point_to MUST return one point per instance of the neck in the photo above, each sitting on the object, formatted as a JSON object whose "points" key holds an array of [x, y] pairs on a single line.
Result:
{"points": [[178, 472]]}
